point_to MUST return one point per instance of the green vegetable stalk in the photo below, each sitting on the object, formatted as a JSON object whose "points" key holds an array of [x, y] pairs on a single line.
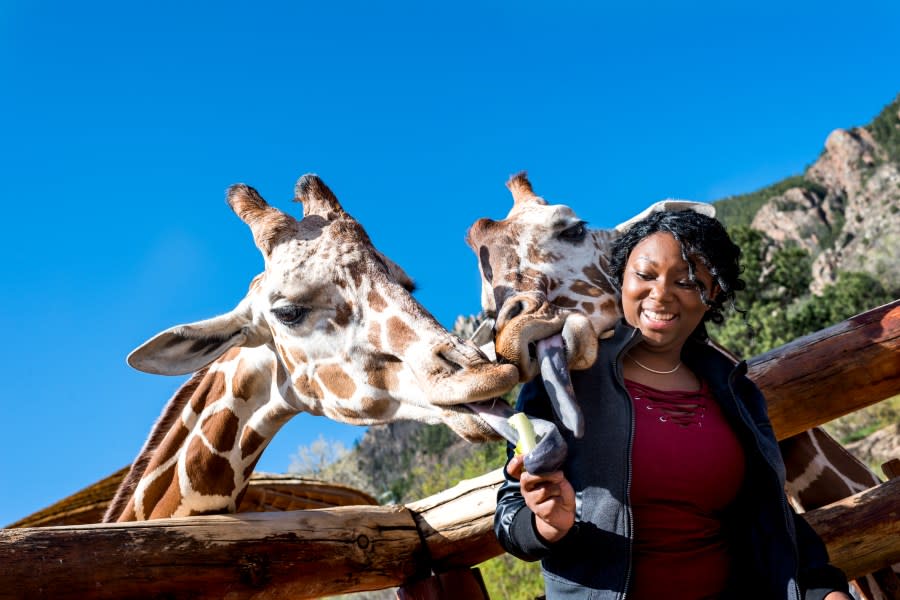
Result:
{"points": [[527, 439]]}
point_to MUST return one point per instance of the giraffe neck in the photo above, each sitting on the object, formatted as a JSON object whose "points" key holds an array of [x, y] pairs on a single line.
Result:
{"points": [[821, 471], [203, 450]]}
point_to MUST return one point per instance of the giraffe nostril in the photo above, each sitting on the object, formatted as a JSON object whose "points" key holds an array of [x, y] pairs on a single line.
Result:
{"points": [[452, 363], [515, 310], [510, 312]]}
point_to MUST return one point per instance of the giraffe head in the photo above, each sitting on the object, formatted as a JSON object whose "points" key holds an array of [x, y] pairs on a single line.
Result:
{"points": [[349, 340], [545, 279], [543, 272]]}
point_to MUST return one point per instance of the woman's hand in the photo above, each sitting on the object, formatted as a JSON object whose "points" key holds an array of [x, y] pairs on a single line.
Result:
{"points": [[837, 596], [550, 497]]}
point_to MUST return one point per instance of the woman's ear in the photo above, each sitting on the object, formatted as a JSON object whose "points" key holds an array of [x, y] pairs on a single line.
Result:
{"points": [[713, 293]]}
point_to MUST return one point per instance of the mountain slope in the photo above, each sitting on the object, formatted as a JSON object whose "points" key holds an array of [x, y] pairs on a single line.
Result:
{"points": [[844, 209]]}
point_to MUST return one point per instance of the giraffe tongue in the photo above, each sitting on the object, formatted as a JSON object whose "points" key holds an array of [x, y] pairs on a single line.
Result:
{"points": [[549, 453], [555, 371]]}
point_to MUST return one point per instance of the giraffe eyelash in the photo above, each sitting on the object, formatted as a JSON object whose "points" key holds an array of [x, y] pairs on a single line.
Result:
{"points": [[290, 314]]}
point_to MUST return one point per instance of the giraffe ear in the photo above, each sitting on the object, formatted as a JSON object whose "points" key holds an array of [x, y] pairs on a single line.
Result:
{"points": [[397, 273], [317, 198], [188, 348]]}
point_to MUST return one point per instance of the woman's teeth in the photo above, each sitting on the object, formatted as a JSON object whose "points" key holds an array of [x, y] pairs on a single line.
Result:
{"points": [[659, 316]]}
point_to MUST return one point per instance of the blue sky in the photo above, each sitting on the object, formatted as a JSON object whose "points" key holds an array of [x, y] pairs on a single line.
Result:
{"points": [[123, 123]]}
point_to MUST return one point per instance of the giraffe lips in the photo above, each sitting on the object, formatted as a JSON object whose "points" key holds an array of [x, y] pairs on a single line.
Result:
{"points": [[551, 354], [549, 453]]}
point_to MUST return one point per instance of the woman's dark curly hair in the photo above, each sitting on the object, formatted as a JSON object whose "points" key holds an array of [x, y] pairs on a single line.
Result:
{"points": [[702, 239]]}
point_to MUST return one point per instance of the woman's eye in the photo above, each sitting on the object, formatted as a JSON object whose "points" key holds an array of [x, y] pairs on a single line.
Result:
{"points": [[643, 276], [575, 233], [292, 314]]}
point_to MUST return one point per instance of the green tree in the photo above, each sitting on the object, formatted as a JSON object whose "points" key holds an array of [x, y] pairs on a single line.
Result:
{"points": [[776, 278], [851, 294], [789, 275], [753, 254], [885, 128]]}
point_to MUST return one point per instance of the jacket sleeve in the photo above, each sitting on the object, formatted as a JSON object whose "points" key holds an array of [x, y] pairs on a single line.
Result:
{"points": [[513, 520], [816, 577]]}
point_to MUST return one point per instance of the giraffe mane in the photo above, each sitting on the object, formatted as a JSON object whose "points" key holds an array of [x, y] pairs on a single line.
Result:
{"points": [[164, 423]]}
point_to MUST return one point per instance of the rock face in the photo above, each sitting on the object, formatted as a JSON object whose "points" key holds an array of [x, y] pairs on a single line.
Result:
{"points": [[879, 447], [802, 216], [847, 212]]}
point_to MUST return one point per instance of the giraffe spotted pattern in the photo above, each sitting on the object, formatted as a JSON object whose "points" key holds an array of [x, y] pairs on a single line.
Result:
{"points": [[329, 328]]}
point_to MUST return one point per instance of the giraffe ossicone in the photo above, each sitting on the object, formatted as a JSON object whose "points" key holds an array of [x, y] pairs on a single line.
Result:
{"points": [[329, 328]]}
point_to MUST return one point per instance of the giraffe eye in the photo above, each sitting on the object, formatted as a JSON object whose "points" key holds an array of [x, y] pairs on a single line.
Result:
{"points": [[574, 234], [291, 314]]}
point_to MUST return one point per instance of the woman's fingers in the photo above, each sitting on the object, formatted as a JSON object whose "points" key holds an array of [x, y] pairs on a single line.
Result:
{"points": [[530, 481], [516, 466], [545, 489], [552, 500]]}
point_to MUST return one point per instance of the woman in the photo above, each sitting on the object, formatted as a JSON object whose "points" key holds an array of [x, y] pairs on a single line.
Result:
{"points": [[676, 490]]}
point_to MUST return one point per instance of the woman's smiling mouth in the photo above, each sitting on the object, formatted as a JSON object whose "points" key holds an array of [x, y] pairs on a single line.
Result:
{"points": [[659, 319]]}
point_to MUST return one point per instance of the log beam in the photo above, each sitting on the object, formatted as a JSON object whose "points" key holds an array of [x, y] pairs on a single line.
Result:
{"points": [[831, 373], [307, 554], [862, 532], [300, 554]]}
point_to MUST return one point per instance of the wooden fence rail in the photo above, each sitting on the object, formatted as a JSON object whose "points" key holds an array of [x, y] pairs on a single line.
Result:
{"points": [[306, 554], [831, 373]]}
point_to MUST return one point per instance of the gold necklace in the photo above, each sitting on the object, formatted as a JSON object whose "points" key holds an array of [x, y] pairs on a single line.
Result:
{"points": [[646, 368]]}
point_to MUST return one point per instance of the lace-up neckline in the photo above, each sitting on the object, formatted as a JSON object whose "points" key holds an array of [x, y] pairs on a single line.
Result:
{"points": [[680, 407]]}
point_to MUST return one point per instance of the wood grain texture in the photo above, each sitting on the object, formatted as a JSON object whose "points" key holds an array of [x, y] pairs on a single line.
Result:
{"points": [[831, 373], [307, 554], [301, 554]]}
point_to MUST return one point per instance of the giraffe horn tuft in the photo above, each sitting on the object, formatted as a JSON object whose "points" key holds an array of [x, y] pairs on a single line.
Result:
{"points": [[267, 223], [522, 191], [316, 197]]}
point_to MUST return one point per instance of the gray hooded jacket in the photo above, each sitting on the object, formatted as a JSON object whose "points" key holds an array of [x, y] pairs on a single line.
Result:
{"points": [[777, 555]]}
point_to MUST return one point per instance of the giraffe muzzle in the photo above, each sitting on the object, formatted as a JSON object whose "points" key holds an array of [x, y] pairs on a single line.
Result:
{"points": [[519, 331]]}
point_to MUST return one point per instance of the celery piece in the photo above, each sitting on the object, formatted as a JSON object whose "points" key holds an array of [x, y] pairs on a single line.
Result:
{"points": [[527, 439]]}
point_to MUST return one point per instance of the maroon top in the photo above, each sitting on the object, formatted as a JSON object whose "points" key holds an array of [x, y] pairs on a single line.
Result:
{"points": [[688, 466]]}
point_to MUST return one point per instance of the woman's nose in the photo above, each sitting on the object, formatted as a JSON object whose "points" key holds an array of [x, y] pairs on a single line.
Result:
{"points": [[660, 288]]}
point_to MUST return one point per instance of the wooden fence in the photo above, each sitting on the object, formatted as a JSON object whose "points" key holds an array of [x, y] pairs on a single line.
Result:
{"points": [[311, 553]]}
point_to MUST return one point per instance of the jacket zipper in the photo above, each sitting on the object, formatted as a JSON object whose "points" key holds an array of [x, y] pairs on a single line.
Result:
{"points": [[620, 379]]}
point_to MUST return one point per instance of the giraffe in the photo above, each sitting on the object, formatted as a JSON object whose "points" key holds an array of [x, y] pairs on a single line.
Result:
{"points": [[328, 328], [545, 276]]}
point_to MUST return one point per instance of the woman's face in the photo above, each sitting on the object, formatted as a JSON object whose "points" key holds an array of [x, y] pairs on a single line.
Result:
{"points": [[658, 296]]}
